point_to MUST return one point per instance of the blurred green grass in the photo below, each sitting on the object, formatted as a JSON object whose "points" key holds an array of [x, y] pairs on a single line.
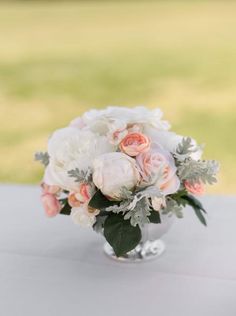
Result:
{"points": [[57, 60]]}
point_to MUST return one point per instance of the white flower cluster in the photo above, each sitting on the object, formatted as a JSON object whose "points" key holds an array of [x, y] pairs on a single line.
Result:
{"points": [[121, 148]]}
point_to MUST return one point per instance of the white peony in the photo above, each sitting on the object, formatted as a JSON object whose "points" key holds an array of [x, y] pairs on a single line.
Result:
{"points": [[78, 123], [96, 121], [138, 115], [99, 121], [71, 148], [83, 215], [113, 171]]}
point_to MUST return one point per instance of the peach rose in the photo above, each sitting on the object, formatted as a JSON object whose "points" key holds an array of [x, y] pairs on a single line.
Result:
{"points": [[73, 201], [157, 167], [51, 204], [196, 188], [134, 144]]}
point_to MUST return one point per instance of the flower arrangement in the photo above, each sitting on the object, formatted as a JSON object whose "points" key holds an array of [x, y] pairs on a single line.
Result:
{"points": [[117, 169]]}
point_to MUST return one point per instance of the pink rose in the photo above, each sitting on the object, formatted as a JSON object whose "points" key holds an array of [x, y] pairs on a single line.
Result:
{"points": [[52, 189], [84, 191], [158, 166], [196, 188], [81, 196], [51, 204], [134, 144]]}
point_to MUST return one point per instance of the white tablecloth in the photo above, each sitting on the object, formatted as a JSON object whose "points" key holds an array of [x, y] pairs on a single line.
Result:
{"points": [[53, 267]]}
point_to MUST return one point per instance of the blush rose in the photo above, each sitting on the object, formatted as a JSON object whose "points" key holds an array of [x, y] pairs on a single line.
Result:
{"points": [[157, 167]]}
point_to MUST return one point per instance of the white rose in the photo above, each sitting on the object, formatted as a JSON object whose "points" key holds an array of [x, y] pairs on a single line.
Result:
{"points": [[158, 203], [83, 215], [113, 171], [71, 148]]}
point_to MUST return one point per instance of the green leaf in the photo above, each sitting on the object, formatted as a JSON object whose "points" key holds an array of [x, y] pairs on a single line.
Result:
{"points": [[120, 234], [179, 197], [99, 201], [197, 207], [66, 210], [200, 215], [155, 217], [192, 201]]}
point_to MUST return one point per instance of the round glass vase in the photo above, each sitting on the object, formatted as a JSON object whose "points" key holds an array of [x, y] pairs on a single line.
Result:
{"points": [[150, 246]]}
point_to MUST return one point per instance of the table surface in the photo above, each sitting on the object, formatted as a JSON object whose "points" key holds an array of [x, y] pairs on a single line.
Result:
{"points": [[53, 267]]}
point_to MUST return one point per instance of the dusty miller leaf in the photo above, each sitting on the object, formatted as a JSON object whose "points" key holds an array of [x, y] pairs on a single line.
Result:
{"points": [[149, 192], [140, 213], [186, 146], [126, 194], [119, 208], [81, 175], [136, 207], [199, 171], [42, 157]]}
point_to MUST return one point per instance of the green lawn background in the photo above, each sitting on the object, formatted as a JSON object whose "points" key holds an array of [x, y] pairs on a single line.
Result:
{"points": [[57, 60]]}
